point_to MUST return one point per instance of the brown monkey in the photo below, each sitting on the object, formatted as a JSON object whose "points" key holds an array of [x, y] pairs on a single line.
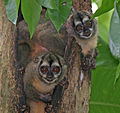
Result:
{"points": [[42, 58], [83, 30], [41, 76]]}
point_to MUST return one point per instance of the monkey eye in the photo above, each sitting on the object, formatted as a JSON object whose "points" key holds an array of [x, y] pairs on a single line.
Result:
{"points": [[44, 69], [88, 24], [79, 28], [56, 69]]}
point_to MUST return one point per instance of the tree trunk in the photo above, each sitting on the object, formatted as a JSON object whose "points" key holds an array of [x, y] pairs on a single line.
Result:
{"points": [[76, 96], [10, 90]]}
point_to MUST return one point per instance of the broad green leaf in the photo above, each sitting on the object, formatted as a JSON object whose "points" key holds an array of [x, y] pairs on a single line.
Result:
{"points": [[5, 2], [114, 34], [104, 57], [59, 16], [103, 31], [11, 10], [104, 24], [17, 3], [118, 7], [106, 6], [48, 3], [104, 96], [114, 37], [31, 12], [117, 73]]}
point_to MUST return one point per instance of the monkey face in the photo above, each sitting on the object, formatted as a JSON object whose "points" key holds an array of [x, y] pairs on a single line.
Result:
{"points": [[82, 26], [50, 68]]}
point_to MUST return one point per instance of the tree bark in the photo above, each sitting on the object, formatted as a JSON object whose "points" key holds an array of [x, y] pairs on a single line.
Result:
{"points": [[10, 90], [76, 97]]}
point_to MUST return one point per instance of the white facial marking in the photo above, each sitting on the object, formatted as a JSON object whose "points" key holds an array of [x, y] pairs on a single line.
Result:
{"points": [[55, 64], [85, 19], [81, 34], [77, 23], [44, 75], [90, 29], [45, 64]]}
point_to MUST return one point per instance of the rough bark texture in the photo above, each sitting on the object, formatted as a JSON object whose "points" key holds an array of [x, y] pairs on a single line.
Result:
{"points": [[10, 90], [82, 5]]}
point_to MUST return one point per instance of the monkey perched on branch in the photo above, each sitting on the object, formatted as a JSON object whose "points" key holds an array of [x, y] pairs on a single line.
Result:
{"points": [[43, 56], [83, 30], [41, 76]]}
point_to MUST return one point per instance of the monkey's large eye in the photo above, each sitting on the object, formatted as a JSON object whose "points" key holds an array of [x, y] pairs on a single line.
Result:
{"points": [[88, 24], [44, 69], [56, 69], [79, 28]]}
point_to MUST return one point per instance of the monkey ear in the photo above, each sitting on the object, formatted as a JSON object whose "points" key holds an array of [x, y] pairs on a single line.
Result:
{"points": [[22, 31], [23, 53]]}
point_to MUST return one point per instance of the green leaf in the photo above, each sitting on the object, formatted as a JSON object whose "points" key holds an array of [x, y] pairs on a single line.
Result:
{"points": [[17, 3], [106, 6], [117, 74], [114, 34], [11, 10], [104, 96], [31, 12], [114, 40], [5, 2], [48, 3], [104, 57], [59, 16], [104, 25], [118, 8]]}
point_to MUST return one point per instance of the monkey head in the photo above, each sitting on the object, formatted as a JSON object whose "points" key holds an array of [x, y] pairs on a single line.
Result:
{"points": [[83, 30], [51, 68], [42, 74], [82, 26]]}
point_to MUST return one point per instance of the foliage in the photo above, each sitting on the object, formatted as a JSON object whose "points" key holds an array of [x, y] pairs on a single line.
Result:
{"points": [[11, 10], [104, 95], [31, 10], [106, 6], [105, 88], [105, 78]]}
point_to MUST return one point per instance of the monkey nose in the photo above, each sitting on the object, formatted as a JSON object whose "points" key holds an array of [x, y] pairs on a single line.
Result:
{"points": [[50, 76], [87, 32]]}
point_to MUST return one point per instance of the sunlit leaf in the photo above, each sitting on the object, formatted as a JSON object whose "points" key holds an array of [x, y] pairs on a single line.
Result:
{"points": [[118, 7], [104, 25], [59, 16], [106, 6], [31, 12], [114, 34], [11, 10], [17, 3], [48, 3]]}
